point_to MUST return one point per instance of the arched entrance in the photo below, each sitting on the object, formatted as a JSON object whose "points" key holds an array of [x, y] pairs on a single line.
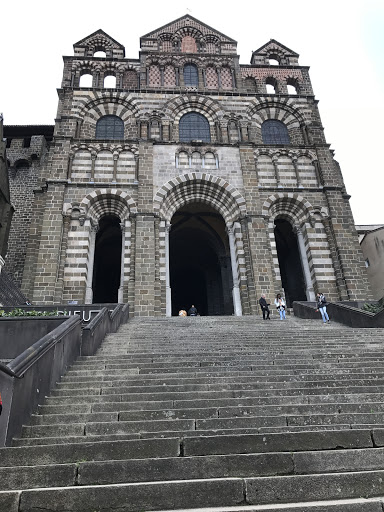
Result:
{"points": [[288, 253], [107, 260], [200, 261]]}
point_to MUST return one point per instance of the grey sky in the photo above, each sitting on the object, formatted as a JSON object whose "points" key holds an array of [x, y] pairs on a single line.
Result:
{"points": [[341, 40]]}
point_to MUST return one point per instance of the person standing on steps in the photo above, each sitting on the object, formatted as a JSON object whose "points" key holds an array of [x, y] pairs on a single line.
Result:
{"points": [[322, 307], [280, 305], [264, 306], [192, 311]]}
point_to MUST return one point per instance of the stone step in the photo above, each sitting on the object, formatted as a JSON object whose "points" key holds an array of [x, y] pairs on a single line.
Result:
{"points": [[115, 471], [205, 492], [184, 434], [124, 413], [352, 505], [118, 379], [87, 451], [94, 396], [359, 403], [287, 386], [79, 425]]}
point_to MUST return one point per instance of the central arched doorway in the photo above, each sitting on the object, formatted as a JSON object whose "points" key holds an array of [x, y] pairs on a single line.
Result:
{"points": [[107, 262], [200, 261]]}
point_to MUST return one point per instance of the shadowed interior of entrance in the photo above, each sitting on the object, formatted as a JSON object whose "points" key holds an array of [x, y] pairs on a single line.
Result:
{"points": [[106, 270], [200, 263], [289, 261]]}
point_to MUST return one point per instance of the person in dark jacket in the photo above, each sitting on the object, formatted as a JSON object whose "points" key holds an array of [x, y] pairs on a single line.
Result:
{"points": [[192, 311], [264, 307], [322, 307]]}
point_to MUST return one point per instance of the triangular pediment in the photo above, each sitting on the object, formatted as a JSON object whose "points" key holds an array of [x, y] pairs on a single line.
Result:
{"points": [[97, 36], [184, 22], [274, 45], [99, 41]]}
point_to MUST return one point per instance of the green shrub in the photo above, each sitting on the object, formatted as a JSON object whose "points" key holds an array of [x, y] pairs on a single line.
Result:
{"points": [[30, 312], [374, 308]]}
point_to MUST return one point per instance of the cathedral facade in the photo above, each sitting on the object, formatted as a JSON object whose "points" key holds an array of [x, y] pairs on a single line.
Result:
{"points": [[182, 177]]}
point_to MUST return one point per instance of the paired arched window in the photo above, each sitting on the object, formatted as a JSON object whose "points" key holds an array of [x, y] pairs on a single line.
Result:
{"points": [[110, 127], [191, 76], [194, 126], [274, 132]]}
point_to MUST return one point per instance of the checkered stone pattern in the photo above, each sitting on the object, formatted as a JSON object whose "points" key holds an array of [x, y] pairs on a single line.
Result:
{"points": [[154, 76], [166, 46], [211, 78], [81, 166], [130, 80], [169, 76], [104, 167], [126, 166], [212, 48], [188, 45], [226, 78]]}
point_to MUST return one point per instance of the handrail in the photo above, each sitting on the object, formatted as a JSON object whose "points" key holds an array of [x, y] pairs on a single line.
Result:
{"points": [[341, 312], [18, 366], [97, 319], [5, 369]]}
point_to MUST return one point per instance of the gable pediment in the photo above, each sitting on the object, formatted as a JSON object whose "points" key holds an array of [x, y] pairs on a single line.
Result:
{"points": [[99, 40], [185, 26], [274, 49]]}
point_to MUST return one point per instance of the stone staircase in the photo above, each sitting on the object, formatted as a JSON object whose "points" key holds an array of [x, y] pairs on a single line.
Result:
{"points": [[218, 413]]}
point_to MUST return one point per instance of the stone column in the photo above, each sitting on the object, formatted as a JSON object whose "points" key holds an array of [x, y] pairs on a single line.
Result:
{"points": [[63, 251], [93, 156], [69, 168], [294, 161], [276, 168], [304, 263], [168, 291], [91, 260], [236, 290], [315, 164], [125, 228], [115, 159], [136, 167]]}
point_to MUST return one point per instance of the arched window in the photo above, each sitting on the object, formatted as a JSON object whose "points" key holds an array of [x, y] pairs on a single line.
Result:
{"points": [[194, 126], [110, 127], [86, 80], [274, 132], [110, 82], [100, 53], [191, 76]]}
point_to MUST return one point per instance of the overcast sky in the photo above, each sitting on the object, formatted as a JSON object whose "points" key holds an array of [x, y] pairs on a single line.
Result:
{"points": [[341, 40]]}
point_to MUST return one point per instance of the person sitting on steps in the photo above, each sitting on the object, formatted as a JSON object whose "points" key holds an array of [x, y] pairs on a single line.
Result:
{"points": [[192, 311]]}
